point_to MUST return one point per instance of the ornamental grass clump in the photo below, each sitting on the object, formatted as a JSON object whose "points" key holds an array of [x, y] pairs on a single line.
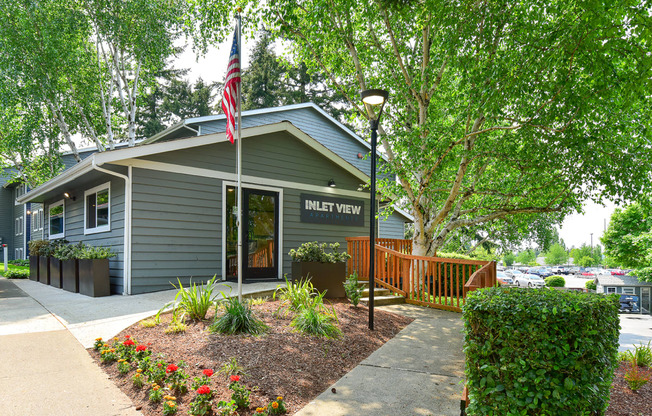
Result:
{"points": [[237, 318], [193, 301], [641, 356], [539, 352], [310, 321], [297, 295], [353, 289]]}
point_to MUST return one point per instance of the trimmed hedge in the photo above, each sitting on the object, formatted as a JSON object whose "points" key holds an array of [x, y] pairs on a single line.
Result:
{"points": [[539, 352], [555, 281], [591, 285]]}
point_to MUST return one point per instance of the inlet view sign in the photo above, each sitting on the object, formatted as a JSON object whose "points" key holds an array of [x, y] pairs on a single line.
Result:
{"points": [[321, 209]]}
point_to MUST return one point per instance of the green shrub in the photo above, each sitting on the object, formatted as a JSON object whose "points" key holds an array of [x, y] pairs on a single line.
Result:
{"points": [[353, 289], [92, 252], [313, 322], [19, 262], [37, 247], [16, 274], [238, 317], [591, 285], [313, 251], [555, 281], [539, 352]]}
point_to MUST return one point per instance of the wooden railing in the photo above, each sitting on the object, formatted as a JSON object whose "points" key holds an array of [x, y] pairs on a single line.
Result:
{"points": [[429, 281]]}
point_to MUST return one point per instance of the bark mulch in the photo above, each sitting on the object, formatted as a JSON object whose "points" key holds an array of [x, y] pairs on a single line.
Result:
{"points": [[280, 363], [624, 401]]}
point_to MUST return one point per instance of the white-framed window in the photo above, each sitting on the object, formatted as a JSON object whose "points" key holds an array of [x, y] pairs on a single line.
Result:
{"points": [[628, 290], [35, 220], [97, 209], [18, 223], [611, 289], [20, 191], [56, 220], [41, 219], [18, 253]]}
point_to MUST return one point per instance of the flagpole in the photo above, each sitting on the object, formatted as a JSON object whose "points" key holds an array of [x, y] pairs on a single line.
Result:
{"points": [[239, 166]]}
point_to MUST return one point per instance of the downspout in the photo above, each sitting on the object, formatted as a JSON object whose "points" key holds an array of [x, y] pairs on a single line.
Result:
{"points": [[127, 237]]}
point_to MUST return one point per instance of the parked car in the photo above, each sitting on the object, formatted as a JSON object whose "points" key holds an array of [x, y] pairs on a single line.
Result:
{"points": [[573, 270], [629, 304], [503, 279], [529, 280], [558, 270], [540, 271], [513, 273], [616, 272]]}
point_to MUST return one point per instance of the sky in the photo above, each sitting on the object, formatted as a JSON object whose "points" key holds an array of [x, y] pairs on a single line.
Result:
{"points": [[575, 230]]}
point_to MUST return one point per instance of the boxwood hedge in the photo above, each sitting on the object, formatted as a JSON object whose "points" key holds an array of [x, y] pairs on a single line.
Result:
{"points": [[539, 351]]}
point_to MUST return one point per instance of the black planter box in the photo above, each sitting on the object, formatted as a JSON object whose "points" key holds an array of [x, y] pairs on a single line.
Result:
{"points": [[44, 269], [55, 272], [94, 277], [323, 276], [70, 273], [33, 268]]}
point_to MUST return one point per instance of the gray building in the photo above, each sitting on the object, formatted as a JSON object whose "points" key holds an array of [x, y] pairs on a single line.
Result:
{"points": [[627, 285], [167, 206]]}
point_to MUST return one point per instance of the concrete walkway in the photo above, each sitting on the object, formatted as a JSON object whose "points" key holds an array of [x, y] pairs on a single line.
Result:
{"points": [[44, 333], [418, 372]]}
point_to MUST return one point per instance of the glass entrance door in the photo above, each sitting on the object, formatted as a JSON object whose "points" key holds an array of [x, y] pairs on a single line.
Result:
{"points": [[260, 232], [260, 219]]}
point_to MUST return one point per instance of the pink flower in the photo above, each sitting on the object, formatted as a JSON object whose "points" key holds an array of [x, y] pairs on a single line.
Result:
{"points": [[208, 372], [141, 348], [203, 390], [171, 368], [235, 378]]}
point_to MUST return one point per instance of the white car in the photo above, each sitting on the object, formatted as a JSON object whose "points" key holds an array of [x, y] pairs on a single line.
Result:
{"points": [[529, 280], [513, 273]]}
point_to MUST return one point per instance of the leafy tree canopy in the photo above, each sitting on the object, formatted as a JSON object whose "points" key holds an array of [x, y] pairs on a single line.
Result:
{"points": [[497, 109], [556, 255]]}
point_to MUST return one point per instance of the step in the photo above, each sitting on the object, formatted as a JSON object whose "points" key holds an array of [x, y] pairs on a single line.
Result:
{"points": [[384, 300], [377, 292], [364, 283]]}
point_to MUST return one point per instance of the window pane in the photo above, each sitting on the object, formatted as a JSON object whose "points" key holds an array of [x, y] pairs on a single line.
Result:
{"points": [[103, 208], [90, 211], [56, 220]]}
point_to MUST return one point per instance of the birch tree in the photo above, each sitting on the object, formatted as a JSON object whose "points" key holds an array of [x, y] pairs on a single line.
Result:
{"points": [[497, 109]]}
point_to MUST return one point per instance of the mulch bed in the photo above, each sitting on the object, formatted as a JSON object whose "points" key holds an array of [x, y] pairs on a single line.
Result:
{"points": [[279, 363], [624, 401]]}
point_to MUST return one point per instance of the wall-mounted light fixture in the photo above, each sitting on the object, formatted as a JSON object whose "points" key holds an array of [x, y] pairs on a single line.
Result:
{"points": [[29, 212], [67, 195], [331, 183]]}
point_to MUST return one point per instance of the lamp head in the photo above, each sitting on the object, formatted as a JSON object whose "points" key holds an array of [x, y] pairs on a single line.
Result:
{"points": [[375, 98]]}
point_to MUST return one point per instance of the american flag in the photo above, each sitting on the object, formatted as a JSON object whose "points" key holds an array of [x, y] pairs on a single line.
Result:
{"points": [[231, 86]]}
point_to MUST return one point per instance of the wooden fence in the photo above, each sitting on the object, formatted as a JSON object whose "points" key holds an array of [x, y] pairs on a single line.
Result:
{"points": [[428, 281]]}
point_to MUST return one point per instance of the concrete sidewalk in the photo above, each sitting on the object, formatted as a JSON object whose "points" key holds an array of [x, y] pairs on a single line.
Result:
{"points": [[418, 372]]}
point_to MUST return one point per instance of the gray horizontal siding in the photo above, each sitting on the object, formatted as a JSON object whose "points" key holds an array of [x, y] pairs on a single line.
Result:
{"points": [[7, 221], [74, 226], [277, 156], [19, 240], [392, 227], [176, 229]]}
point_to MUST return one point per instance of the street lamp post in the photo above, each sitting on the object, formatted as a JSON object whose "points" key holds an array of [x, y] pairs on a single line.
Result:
{"points": [[375, 99]]}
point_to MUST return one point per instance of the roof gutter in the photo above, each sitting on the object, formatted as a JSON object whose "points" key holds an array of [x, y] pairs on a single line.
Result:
{"points": [[128, 217]]}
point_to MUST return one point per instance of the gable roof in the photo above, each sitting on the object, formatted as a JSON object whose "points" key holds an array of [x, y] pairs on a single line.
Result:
{"points": [[196, 120], [111, 156], [607, 280]]}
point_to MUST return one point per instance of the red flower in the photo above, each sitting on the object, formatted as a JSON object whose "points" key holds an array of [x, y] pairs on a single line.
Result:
{"points": [[127, 336], [141, 348], [208, 372], [171, 368], [128, 343], [203, 390], [235, 378], [159, 365]]}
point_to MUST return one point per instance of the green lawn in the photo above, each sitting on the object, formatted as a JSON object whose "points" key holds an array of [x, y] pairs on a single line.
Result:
{"points": [[12, 267]]}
